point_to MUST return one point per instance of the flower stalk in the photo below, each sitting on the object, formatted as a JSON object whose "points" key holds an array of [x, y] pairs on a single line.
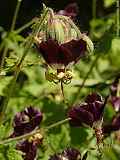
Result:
{"points": [[15, 14], [85, 78], [11, 29], [118, 17], [94, 9], [18, 66], [34, 132]]}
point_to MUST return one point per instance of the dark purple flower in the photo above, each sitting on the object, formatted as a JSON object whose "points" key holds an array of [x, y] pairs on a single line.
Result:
{"points": [[67, 154], [71, 10], [62, 54], [79, 115], [26, 121], [87, 113], [29, 149], [95, 105]]}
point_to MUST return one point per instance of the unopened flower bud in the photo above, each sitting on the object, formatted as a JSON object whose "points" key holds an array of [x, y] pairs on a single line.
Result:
{"points": [[58, 27]]}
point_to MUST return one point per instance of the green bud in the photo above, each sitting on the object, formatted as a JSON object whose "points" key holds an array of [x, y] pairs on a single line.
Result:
{"points": [[60, 28]]}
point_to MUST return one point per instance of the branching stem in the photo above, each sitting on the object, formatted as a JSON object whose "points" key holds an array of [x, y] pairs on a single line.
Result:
{"points": [[118, 17], [85, 78], [34, 132]]}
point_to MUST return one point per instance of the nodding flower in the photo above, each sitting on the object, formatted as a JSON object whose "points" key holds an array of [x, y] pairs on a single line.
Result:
{"points": [[61, 43], [87, 113]]}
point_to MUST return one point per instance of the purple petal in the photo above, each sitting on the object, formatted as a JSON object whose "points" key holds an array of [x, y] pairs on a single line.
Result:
{"points": [[115, 101], [63, 54], [49, 50], [96, 105], [74, 50], [91, 98], [79, 115], [29, 148], [26, 121]]}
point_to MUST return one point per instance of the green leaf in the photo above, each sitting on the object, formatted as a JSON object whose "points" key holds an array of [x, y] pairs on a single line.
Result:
{"points": [[13, 154], [108, 3]]}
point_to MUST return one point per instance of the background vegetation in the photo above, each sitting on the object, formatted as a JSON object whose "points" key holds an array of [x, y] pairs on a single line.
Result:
{"points": [[100, 19]]}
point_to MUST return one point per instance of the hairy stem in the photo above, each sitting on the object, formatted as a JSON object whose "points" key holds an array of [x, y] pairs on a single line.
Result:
{"points": [[62, 89], [1, 46], [25, 26], [18, 67], [118, 17], [15, 15], [85, 78], [57, 124], [94, 9], [11, 29], [34, 132]]}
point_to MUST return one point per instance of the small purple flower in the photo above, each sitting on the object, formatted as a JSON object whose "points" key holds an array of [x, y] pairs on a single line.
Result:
{"points": [[89, 112], [29, 149], [115, 101], [62, 54], [67, 154], [26, 121], [71, 10], [114, 86]]}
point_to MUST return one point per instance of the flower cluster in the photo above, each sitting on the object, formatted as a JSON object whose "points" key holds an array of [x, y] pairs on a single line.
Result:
{"points": [[25, 122], [67, 154], [87, 113]]}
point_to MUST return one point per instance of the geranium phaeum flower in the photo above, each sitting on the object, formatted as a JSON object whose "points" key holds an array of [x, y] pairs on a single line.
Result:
{"points": [[61, 55], [71, 10], [61, 42], [26, 121], [89, 112], [67, 154]]}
